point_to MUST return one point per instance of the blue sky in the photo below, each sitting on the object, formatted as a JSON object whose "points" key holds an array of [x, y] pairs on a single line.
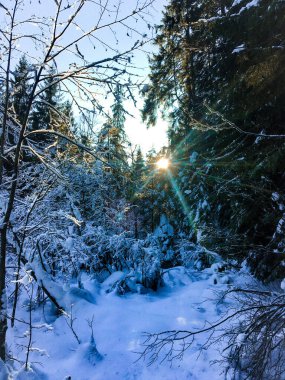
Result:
{"points": [[108, 42]]}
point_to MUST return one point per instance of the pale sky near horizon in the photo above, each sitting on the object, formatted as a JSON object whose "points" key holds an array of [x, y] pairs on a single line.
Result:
{"points": [[153, 137], [148, 138], [137, 132]]}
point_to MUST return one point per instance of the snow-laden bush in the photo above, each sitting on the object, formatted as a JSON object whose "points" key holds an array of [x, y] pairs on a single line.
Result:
{"points": [[195, 256], [69, 234], [268, 263], [139, 259], [164, 234]]}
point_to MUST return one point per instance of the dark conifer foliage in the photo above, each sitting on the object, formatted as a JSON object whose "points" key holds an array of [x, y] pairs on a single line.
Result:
{"points": [[219, 74], [21, 88], [44, 112], [112, 136]]}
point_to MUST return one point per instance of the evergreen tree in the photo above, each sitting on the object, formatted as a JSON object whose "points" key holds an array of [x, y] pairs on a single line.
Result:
{"points": [[113, 145], [65, 124], [51, 112], [44, 114], [135, 192], [118, 137], [153, 194], [137, 172], [21, 88], [219, 71]]}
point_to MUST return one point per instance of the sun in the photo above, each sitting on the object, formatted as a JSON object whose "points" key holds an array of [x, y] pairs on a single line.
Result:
{"points": [[163, 163]]}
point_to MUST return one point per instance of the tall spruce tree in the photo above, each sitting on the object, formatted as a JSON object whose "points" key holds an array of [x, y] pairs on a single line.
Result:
{"points": [[135, 191], [113, 144], [118, 137], [43, 113], [219, 73], [52, 112], [21, 88]]}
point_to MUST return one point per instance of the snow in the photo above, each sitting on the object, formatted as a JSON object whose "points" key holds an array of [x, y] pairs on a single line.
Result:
{"points": [[240, 339], [31, 373], [239, 48], [68, 244], [275, 196], [236, 2], [164, 229], [280, 225], [186, 301], [193, 157], [252, 3], [3, 371], [112, 279]]}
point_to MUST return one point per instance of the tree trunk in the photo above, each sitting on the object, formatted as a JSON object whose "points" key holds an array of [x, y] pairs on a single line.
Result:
{"points": [[3, 318]]}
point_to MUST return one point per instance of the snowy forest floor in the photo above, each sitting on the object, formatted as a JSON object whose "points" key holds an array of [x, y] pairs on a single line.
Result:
{"points": [[186, 301]]}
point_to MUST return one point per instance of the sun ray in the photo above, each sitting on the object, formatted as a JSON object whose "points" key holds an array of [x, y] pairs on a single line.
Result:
{"points": [[163, 163], [182, 200]]}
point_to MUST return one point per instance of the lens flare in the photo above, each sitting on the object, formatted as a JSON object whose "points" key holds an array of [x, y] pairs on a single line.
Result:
{"points": [[182, 200], [163, 163]]}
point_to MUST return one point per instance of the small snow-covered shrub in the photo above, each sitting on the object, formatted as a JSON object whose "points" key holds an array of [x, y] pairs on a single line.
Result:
{"points": [[164, 236], [220, 273], [4, 373], [268, 263], [267, 266], [196, 256], [139, 259], [30, 373], [255, 338]]}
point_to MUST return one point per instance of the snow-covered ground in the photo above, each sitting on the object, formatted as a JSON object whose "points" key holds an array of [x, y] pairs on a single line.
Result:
{"points": [[187, 300]]}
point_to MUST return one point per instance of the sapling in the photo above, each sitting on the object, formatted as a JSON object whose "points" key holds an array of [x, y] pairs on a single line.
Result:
{"points": [[70, 319], [92, 354]]}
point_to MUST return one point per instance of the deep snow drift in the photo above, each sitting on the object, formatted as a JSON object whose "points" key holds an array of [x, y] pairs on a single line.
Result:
{"points": [[186, 301]]}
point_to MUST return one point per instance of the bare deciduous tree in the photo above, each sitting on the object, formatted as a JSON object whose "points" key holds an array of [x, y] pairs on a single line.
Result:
{"points": [[64, 37], [250, 337]]}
